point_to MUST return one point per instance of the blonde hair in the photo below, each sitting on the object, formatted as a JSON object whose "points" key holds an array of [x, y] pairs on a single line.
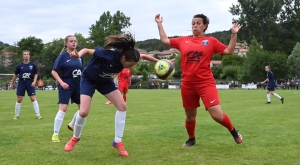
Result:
{"points": [[25, 51], [65, 41]]}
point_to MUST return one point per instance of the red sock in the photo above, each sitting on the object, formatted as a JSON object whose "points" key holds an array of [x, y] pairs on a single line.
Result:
{"points": [[190, 128], [124, 97], [226, 122]]}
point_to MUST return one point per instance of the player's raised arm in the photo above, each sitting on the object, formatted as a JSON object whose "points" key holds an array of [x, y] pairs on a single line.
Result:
{"points": [[234, 30], [163, 36], [85, 51], [148, 58]]}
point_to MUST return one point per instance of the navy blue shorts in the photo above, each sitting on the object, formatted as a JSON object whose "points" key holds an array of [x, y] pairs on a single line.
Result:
{"points": [[25, 84], [72, 93], [88, 88], [271, 88]]}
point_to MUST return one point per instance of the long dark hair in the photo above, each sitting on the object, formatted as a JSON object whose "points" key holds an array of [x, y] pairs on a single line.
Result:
{"points": [[125, 43]]}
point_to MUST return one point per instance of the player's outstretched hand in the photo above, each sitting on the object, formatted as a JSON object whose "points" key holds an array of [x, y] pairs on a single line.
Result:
{"points": [[235, 28], [158, 19]]}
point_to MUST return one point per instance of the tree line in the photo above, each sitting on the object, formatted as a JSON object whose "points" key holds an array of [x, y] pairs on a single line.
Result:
{"points": [[270, 27]]}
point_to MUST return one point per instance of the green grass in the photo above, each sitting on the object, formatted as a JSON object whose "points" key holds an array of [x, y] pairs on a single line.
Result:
{"points": [[155, 131]]}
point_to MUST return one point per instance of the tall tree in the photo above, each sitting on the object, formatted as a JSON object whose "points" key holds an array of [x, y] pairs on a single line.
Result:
{"points": [[258, 18], [234, 60], [274, 23], [108, 25], [49, 55], [257, 58], [294, 60]]}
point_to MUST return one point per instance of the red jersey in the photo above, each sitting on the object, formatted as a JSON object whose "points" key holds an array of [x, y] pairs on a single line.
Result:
{"points": [[196, 54], [124, 76]]}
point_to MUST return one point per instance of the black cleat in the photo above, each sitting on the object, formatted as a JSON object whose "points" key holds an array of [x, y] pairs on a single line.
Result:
{"points": [[236, 136], [268, 102], [190, 142], [282, 100]]}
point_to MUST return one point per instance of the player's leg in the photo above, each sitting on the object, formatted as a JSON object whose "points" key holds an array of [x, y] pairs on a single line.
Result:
{"points": [[211, 101], [87, 90], [31, 94], [75, 98], [120, 118], [18, 107], [20, 94], [190, 100], [58, 120], [276, 95], [268, 96], [72, 123]]}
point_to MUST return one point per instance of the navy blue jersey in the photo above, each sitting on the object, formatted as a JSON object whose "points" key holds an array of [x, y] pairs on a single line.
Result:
{"points": [[103, 66], [68, 67], [26, 71], [271, 78]]}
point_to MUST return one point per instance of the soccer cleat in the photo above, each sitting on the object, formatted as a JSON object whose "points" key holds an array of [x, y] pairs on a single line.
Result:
{"points": [[268, 102], [120, 147], [55, 139], [237, 137], [70, 127], [71, 143], [39, 117], [190, 142], [16, 118], [282, 100]]}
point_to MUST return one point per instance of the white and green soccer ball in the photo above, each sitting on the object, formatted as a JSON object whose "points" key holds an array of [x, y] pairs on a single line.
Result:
{"points": [[164, 69]]}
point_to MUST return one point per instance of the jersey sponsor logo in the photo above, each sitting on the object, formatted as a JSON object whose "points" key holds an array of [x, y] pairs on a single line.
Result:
{"points": [[30, 67], [194, 56], [76, 73], [108, 75], [26, 75], [205, 42]]}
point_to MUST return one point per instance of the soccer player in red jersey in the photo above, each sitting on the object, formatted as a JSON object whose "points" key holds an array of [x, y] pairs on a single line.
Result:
{"points": [[124, 79], [197, 78]]}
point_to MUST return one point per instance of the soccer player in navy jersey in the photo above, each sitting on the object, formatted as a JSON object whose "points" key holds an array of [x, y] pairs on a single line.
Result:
{"points": [[27, 73], [271, 85], [117, 53], [67, 72]]}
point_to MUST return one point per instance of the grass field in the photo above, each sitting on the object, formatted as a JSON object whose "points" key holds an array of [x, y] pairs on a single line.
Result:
{"points": [[155, 131]]}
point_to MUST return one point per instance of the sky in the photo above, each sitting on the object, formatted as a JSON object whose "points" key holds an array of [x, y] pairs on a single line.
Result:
{"points": [[55, 19]]}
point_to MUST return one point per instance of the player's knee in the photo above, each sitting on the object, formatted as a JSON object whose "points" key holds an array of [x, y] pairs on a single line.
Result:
{"points": [[190, 118], [83, 114], [122, 106]]}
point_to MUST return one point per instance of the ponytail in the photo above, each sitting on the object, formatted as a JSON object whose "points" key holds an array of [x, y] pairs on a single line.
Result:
{"points": [[125, 43]]}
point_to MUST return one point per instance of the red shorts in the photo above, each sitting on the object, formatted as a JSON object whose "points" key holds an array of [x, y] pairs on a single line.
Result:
{"points": [[191, 92], [123, 88]]}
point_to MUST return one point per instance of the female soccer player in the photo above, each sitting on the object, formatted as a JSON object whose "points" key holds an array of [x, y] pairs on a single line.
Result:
{"points": [[67, 72], [27, 72], [271, 85], [117, 53], [197, 78], [124, 81]]}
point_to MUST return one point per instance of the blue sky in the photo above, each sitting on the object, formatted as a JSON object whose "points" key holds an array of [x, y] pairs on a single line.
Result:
{"points": [[52, 19]]}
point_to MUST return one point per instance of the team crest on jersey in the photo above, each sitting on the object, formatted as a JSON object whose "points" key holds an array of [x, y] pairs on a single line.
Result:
{"points": [[205, 42], [30, 67]]}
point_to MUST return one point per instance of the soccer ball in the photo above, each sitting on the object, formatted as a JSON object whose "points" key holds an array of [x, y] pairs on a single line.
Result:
{"points": [[164, 69]]}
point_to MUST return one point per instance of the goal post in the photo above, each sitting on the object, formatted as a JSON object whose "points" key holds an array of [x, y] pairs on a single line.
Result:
{"points": [[5, 80]]}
